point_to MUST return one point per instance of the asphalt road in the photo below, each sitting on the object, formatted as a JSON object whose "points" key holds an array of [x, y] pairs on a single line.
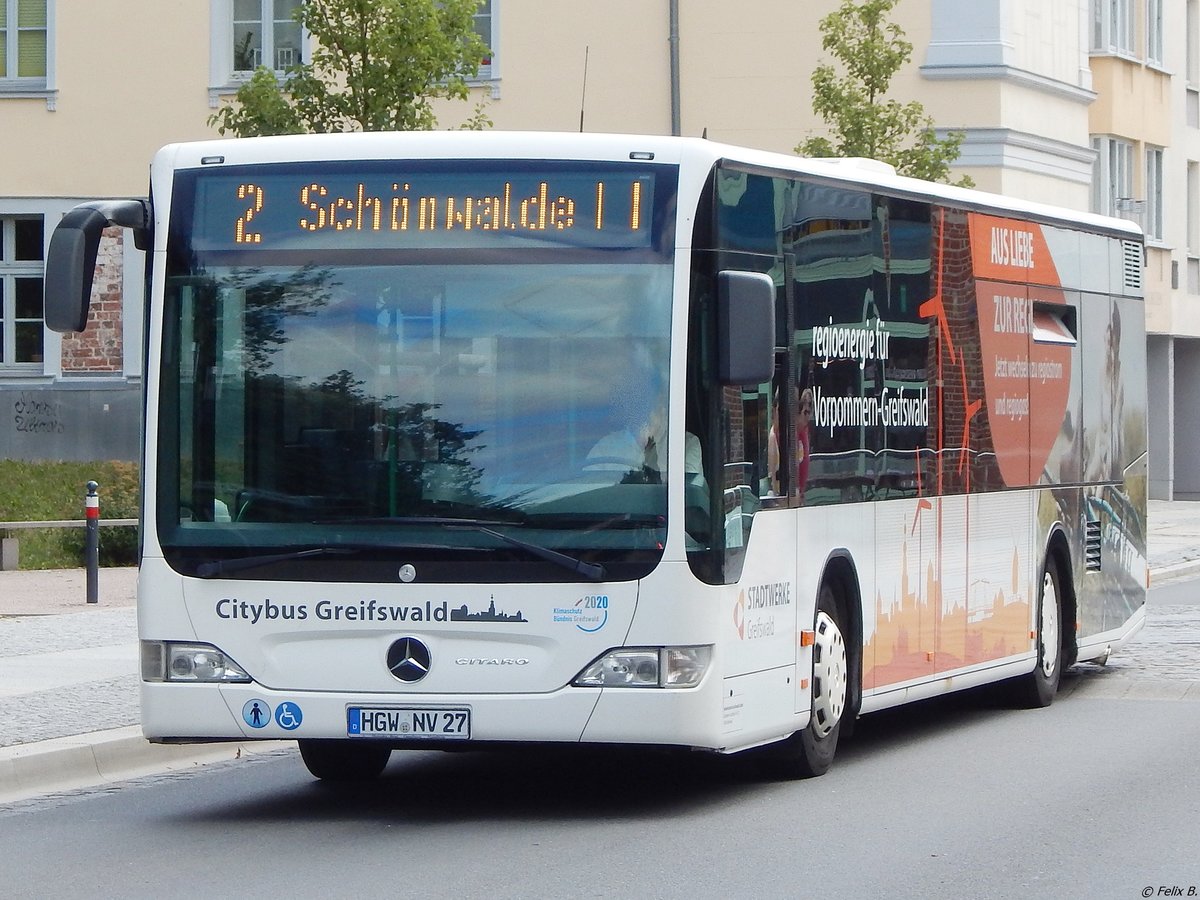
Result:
{"points": [[1093, 797]]}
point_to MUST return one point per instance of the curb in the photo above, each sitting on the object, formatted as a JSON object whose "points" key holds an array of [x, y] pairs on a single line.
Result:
{"points": [[104, 757], [1163, 574]]}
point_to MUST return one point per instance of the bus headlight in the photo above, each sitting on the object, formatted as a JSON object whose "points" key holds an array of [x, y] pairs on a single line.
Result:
{"points": [[194, 663], [647, 667]]}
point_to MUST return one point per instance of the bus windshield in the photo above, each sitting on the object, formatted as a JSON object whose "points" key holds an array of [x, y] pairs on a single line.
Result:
{"points": [[333, 407]]}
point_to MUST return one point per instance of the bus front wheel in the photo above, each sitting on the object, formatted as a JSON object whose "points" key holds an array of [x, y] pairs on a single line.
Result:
{"points": [[333, 760], [810, 752]]}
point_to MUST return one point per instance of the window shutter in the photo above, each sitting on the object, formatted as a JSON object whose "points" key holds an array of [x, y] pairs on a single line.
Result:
{"points": [[31, 38], [31, 54], [31, 13]]}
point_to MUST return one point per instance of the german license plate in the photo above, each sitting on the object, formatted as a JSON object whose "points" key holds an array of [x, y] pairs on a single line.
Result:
{"points": [[444, 723]]}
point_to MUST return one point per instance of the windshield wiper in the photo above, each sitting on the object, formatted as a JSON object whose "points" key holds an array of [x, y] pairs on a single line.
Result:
{"points": [[218, 567], [591, 571], [413, 520], [588, 522]]}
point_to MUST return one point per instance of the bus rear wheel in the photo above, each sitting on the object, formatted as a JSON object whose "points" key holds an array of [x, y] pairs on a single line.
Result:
{"points": [[1037, 689], [344, 761], [809, 753]]}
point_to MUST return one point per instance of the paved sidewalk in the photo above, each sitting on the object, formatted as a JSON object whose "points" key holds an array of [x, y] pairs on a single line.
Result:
{"points": [[1174, 538], [51, 592], [69, 687], [69, 670]]}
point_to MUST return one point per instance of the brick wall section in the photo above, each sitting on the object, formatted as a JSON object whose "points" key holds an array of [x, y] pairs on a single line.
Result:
{"points": [[98, 349]]}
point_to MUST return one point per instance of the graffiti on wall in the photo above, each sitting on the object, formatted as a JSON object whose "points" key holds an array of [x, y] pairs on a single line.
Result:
{"points": [[32, 415]]}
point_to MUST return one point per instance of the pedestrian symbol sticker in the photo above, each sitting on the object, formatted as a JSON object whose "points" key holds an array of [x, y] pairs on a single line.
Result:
{"points": [[288, 716], [256, 713]]}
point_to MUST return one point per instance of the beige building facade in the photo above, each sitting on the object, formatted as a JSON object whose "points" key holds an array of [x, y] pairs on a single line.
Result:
{"points": [[1090, 104]]}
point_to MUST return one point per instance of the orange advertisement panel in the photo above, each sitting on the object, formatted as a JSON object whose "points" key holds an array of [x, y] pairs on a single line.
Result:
{"points": [[1011, 250], [1026, 379], [1004, 317]]}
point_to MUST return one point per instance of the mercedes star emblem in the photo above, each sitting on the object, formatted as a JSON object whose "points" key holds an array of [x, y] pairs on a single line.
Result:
{"points": [[408, 660]]}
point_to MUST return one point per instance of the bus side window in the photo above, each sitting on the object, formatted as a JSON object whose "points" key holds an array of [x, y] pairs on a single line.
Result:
{"points": [[834, 236], [790, 439], [746, 475]]}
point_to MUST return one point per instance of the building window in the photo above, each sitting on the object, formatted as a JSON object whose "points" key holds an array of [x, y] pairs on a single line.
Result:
{"points": [[1154, 31], [1113, 26], [1153, 219], [22, 335], [1192, 51], [1112, 176], [1193, 208], [247, 34], [23, 30], [266, 34], [484, 22]]}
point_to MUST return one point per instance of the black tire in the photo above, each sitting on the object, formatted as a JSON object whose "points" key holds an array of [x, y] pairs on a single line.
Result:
{"points": [[1038, 688], [344, 761], [809, 753]]}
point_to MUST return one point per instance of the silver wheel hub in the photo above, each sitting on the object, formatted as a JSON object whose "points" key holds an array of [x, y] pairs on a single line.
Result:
{"points": [[1049, 626], [829, 676]]}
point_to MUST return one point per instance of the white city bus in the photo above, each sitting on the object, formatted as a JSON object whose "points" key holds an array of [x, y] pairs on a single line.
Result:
{"points": [[457, 439]]}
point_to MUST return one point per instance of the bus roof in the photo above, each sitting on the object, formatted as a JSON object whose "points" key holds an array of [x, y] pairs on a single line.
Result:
{"points": [[696, 152]]}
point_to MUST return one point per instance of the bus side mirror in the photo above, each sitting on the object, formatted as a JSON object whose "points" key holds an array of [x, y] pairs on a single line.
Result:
{"points": [[71, 259], [745, 328], [70, 262]]}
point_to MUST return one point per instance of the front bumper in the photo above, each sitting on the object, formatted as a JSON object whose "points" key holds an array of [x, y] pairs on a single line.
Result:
{"points": [[200, 713]]}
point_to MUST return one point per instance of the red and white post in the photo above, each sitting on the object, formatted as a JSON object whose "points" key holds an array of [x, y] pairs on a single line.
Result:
{"points": [[92, 548]]}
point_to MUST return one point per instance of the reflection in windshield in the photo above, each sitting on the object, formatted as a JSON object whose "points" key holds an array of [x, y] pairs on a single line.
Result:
{"points": [[526, 394]]}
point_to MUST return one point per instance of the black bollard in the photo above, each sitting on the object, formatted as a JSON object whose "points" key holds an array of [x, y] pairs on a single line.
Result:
{"points": [[91, 552]]}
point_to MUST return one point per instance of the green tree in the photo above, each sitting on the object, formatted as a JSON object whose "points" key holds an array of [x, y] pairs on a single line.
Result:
{"points": [[864, 122], [377, 65]]}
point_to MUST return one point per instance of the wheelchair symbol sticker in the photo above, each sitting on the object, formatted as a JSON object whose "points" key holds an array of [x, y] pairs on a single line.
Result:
{"points": [[288, 716], [256, 713]]}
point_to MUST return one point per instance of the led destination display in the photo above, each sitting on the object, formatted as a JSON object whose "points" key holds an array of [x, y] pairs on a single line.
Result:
{"points": [[322, 208]]}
